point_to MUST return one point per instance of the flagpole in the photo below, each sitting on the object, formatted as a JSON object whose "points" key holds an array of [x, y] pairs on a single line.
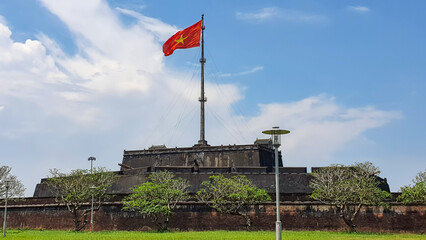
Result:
{"points": [[202, 99]]}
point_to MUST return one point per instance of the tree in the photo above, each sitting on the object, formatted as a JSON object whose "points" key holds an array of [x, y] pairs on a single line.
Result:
{"points": [[348, 188], [158, 197], [76, 189], [235, 195], [417, 193], [16, 188], [420, 177]]}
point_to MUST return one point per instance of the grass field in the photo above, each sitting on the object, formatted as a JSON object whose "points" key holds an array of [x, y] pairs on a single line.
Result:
{"points": [[261, 235]]}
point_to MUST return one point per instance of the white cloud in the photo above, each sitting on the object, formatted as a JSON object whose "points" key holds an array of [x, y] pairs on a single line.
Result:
{"points": [[359, 9], [3, 20], [136, 5], [275, 13], [250, 71], [162, 30], [319, 126], [1, 108], [262, 14], [25, 67]]}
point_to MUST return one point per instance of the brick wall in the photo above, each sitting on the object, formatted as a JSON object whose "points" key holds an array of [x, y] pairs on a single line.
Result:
{"points": [[44, 213]]}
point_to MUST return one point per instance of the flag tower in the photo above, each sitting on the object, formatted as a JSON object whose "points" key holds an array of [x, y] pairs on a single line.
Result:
{"points": [[189, 38]]}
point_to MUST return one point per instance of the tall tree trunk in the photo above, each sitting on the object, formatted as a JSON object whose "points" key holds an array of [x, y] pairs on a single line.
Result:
{"points": [[349, 217], [246, 218], [349, 223], [248, 222], [79, 224], [166, 222], [162, 225], [76, 222]]}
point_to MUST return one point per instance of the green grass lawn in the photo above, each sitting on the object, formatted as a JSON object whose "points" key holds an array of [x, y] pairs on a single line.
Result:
{"points": [[211, 235]]}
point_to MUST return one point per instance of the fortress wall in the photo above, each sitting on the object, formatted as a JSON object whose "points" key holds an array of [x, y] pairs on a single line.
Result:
{"points": [[44, 213], [289, 182]]}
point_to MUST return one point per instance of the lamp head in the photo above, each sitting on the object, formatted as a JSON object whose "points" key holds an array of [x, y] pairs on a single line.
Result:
{"points": [[276, 133], [7, 181]]}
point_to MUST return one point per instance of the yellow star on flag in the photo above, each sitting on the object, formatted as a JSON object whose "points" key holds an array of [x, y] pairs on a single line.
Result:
{"points": [[180, 40]]}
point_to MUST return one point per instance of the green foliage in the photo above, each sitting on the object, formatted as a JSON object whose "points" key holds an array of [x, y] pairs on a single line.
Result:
{"points": [[417, 193], [16, 188], [420, 177], [348, 188], [235, 195], [158, 197], [75, 189]]}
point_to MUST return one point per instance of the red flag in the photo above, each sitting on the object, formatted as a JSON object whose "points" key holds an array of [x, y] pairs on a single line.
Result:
{"points": [[187, 38]]}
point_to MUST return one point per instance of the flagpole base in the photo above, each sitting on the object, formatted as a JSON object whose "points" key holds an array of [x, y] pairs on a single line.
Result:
{"points": [[201, 143]]}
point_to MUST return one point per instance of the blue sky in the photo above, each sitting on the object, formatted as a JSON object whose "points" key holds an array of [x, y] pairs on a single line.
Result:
{"points": [[81, 78]]}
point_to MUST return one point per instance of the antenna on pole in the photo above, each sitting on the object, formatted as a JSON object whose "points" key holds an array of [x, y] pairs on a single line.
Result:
{"points": [[202, 99]]}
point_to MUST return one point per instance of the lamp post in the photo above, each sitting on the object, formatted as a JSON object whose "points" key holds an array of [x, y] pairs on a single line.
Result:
{"points": [[91, 159], [276, 133], [7, 181], [91, 209]]}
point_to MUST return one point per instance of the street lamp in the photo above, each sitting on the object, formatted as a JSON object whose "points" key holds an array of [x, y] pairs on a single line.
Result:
{"points": [[276, 133], [91, 209], [91, 159], [7, 181]]}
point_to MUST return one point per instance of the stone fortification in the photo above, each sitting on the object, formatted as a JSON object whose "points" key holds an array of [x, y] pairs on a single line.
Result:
{"points": [[198, 163], [229, 156], [45, 213]]}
